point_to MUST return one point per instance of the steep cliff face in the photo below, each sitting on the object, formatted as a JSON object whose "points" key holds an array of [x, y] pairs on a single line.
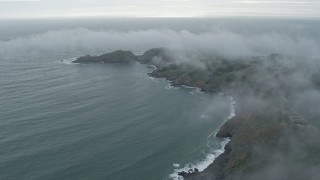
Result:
{"points": [[269, 139]]}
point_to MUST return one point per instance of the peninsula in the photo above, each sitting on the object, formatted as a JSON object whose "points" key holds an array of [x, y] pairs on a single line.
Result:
{"points": [[272, 137]]}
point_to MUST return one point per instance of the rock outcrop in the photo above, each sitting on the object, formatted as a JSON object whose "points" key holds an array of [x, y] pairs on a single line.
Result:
{"points": [[118, 56]]}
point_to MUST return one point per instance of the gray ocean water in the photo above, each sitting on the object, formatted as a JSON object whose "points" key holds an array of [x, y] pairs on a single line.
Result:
{"points": [[60, 120]]}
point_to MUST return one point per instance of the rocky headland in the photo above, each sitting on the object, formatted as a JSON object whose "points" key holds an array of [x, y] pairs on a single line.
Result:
{"points": [[270, 136]]}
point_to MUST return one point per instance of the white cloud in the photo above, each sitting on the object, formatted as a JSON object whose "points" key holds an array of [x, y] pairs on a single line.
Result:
{"points": [[221, 42]]}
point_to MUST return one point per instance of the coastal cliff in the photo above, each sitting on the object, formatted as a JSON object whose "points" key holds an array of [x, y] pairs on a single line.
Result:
{"points": [[270, 139]]}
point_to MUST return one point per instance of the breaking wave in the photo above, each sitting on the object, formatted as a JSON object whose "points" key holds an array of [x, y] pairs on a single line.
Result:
{"points": [[210, 157]]}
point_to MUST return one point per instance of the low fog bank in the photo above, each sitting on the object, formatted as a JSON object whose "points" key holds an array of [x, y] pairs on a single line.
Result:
{"points": [[188, 45], [277, 84]]}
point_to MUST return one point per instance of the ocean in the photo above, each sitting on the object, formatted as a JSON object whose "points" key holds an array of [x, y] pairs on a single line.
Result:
{"points": [[61, 120]]}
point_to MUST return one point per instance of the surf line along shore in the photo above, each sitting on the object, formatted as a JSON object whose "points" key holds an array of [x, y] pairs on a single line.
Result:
{"points": [[265, 124], [192, 168]]}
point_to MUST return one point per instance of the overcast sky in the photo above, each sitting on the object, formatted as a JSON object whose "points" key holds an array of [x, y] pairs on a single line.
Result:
{"points": [[158, 8]]}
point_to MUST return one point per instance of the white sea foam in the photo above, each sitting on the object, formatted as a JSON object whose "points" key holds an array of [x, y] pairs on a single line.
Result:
{"points": [[153, 67], [232, 107], [211, 156], [196, 91], [169, 86], [200, 165], [232, 112], [68, 60], [176, 165], [189, 87], [151, 78]]}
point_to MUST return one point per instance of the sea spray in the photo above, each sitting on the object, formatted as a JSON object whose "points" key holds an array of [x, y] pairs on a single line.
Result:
{"points": [[211, 156]]}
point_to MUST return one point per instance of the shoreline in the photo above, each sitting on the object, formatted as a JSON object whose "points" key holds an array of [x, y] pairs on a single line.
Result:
{"points": [[198, 167], [261, 127], [192, 168], [201, 165]]}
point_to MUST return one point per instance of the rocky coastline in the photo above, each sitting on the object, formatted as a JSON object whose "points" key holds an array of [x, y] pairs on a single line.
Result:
{"points": [[269, 138]]}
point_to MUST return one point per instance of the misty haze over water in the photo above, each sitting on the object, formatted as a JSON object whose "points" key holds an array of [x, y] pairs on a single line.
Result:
{"points": [[101, 121]]}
